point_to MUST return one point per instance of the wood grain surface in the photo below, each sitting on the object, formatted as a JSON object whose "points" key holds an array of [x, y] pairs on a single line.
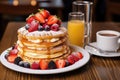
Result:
{"points": [[98, 68]]}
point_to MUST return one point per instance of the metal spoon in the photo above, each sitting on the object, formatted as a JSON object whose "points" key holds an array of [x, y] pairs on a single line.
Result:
{"points": [[102, 51]]}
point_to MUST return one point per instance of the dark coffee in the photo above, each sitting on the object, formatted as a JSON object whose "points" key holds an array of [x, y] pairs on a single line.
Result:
{"points": [[107, 34]]}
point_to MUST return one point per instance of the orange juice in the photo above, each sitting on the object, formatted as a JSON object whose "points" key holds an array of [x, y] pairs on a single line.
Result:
{"points": [[76, 32]]}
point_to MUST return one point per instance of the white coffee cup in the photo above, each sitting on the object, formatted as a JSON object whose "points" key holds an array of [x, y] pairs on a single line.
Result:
{"points": [[108, 40]]}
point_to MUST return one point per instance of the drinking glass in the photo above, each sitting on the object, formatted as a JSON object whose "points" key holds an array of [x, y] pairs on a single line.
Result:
{"points": [[76, 28], [86, 8]]}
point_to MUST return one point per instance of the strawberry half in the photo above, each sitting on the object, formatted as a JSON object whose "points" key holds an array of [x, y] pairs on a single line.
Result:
{"points": [[39, 17], [44, 13], [11, 58], [79, 54], [60, 63], [43, 64], [30, 19], [33, 26], [13, 52], [52, 19]]}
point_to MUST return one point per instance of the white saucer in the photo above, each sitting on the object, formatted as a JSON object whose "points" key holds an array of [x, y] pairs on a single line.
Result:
{"points": [[78, 64], [97, 53]]}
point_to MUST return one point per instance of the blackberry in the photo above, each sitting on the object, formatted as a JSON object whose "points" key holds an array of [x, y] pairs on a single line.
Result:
{"points": [[26, 64], [51, 65], [17, 60]]}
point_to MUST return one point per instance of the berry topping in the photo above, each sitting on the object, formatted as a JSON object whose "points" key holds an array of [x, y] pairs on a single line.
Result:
{"points": [[35, 65], [33, 26], [40, 28], [6, 56], [67, 63], [21, 63], [11, 58], [26, 64], [52, 19], [39, 17], [44, 13], [54, 27], [30, 19], [51, 65], [43, 64], [79, 54], [70, 59], [59, 22], [60, 63], [17, 60], [13, 52], [27, 26], [47, 28]]}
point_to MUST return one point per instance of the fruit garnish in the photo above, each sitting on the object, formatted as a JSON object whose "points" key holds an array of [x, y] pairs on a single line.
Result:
{"points": [[40, 28], [52, 19], [13, 52], [27, 26], [33, 26], [11, 58], [75, 57], [17, 60], [59, 22], [39, 17], [51, 65], [45, 13], [70, 59], [43, 64], [30, 18], [54, 27], [47, 27], [26, 64], [35, 65], [21, 63], [79, 54], [60, 63]]}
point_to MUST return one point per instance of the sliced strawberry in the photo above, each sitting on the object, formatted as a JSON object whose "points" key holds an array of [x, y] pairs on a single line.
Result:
{"points": [[43, 64], [11, 58], [80, 55], [30, 19], [70, 59], [52, 19], [13, 52], [33, 26], [35, 65], [60, 63], [54, 27], [39, 17], [59, 22], [45, 13]]}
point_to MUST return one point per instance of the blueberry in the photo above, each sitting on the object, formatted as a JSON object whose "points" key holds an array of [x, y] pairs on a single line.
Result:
{"points": [[21, 63], [27, 26], [26, 64], [6, 56], [67, 63], [17, 60], [40, 28], [51, 65]]}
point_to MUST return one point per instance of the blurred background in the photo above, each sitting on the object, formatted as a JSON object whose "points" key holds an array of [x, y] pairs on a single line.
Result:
{"points": [[19, 10]]}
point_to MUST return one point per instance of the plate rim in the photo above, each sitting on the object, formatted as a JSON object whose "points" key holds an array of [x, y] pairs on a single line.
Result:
{"points": [[76, 65], [101, 55]]}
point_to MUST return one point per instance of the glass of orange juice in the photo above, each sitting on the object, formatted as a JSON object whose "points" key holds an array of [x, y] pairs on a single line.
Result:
{"points": [[76, 28]]}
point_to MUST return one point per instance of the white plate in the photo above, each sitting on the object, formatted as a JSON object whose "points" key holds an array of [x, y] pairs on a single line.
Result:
{"points": [[76, 65], [97, 53]]}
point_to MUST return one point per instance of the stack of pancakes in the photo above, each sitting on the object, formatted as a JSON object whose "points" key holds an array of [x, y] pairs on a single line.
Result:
{"points": [[37, 45]]}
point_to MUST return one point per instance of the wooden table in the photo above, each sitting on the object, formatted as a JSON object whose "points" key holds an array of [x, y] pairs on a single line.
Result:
{"points": [[98, 68]]}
